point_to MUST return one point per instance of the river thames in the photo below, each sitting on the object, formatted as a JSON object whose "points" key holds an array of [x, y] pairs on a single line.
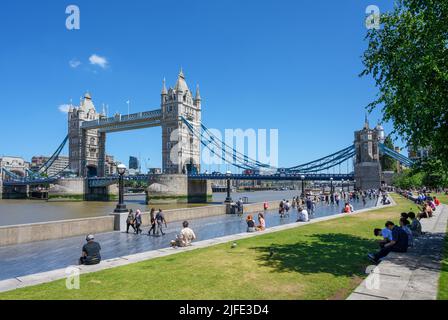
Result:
{"points": [[14, 212]]}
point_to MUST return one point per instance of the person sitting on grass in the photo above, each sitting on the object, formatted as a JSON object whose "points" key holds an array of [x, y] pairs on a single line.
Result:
{"points": [[302, 215], [436, 201], [404, 224], [90, 252], [347, 208], [250, 224], [399, 243], [261, 222], [185, 237], [385, 233], [415, 226]]}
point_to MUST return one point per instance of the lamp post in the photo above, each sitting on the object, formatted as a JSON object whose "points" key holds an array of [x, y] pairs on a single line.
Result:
{"points": [[342, 185], [331, 186], [303, 185], [228, 198], [121, 206], [354, 185]]}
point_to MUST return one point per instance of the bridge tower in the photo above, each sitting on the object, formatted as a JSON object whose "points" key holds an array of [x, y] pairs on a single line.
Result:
{"points": [[180, 148], [367, 162], [87, 148]]}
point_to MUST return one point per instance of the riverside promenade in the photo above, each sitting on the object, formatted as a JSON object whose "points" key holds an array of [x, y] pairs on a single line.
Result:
{"points": [[35, 263], [413, 275]]}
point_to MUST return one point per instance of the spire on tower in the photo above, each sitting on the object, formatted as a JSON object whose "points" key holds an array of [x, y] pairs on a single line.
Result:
{"points": [[181, 85], [366, 122], [164, 91], [181, 73], [198, 94]]}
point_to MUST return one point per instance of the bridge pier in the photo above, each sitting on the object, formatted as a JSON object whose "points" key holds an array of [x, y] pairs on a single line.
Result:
{"points": [[69, 188], [15, 192], [178, 188], [106, 193]]}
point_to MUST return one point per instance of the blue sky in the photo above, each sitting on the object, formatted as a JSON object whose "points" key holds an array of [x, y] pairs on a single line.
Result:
{"points": [[286, 64]]}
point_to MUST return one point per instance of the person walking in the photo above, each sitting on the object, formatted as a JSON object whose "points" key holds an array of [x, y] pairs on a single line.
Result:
{"points": [[152, 221], [138, 222], [160, 220], [130, 221]]}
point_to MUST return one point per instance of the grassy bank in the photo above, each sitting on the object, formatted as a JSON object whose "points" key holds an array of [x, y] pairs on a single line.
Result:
{"points": [[326, 260]]}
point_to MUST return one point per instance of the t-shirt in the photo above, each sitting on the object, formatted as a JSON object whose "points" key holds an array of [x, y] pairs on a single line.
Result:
{"points": [[416, 227], [401, 239], [187, 235], [160, 217], [92, 249], [303, 216], [387, 234], [250, 223]]}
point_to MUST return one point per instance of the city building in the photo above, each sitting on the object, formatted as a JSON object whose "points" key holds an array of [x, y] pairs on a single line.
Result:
{"points": [[134, 163], [417, 154], [155, 171], [58, 166], [16, 165], [110, 166]]}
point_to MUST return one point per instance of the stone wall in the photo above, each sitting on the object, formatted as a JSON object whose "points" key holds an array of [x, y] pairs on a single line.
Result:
{"points": [[10, 235]]}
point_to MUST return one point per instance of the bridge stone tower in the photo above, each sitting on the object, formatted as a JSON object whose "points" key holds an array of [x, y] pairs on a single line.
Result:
{"points": [[87, 148], [367, 163], [180, 148]]}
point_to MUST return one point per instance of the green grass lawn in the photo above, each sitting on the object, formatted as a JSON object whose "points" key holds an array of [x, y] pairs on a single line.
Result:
{"points": [[325, 260]]}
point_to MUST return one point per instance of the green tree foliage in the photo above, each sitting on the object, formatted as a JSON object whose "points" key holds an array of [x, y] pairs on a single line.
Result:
{"points": [[428, 173], [408, 59], [388, 163]]}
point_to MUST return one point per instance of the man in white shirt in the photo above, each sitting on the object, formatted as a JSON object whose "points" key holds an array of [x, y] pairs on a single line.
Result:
{"points": [[185, 237], [302, 216]]}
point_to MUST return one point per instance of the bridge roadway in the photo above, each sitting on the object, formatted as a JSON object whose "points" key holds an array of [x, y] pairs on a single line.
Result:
{"points": [[105, 181], [102, 182]]}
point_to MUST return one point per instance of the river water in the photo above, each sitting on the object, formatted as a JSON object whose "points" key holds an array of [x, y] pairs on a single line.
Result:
{"points": [[14, 212]]}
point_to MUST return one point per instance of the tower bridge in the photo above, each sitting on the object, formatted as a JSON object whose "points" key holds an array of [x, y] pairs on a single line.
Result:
{"points": [[183, 135]]}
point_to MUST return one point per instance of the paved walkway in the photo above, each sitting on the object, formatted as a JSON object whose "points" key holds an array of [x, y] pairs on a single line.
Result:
{"points": [[413, 275], [15, 282]]}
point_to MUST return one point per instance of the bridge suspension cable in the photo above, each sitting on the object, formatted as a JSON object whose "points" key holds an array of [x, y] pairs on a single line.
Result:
{"points": [[44, 168], [242, 161]]}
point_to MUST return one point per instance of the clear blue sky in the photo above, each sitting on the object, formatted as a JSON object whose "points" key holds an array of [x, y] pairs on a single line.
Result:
{"points": [[291, 65]]}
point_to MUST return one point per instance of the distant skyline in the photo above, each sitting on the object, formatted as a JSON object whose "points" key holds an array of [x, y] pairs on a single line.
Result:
{"points": [[286, 65]]}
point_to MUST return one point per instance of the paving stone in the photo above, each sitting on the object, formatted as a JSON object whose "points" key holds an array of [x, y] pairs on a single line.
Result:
{"points": [[418, 270]]}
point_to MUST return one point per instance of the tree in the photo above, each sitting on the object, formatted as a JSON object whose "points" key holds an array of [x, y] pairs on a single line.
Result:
{"points": [[408, 59], [388, 163]]}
